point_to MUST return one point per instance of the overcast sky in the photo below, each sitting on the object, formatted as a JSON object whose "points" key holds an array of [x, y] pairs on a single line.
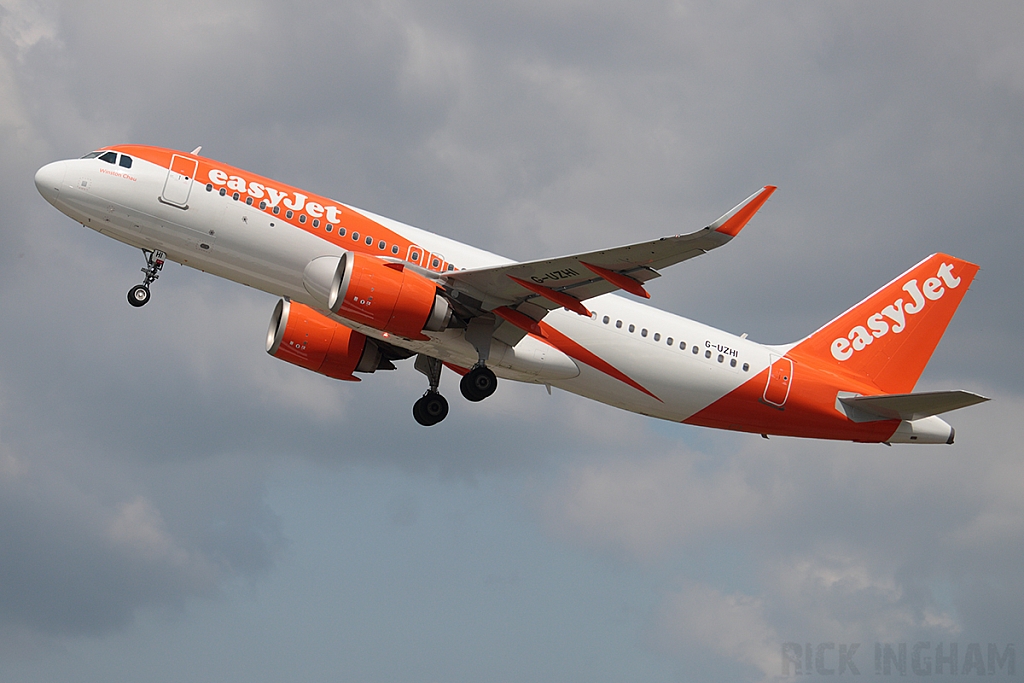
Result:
{"points": [[177, 505]]}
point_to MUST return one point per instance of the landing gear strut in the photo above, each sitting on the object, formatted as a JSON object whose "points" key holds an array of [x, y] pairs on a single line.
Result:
{"points": [[432, 407], [478, 383], [139, 294]]}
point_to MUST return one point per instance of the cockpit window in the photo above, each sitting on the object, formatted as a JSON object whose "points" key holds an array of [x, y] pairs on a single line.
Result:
{"points": [[92, 155], [109, 157], [126, 161]]}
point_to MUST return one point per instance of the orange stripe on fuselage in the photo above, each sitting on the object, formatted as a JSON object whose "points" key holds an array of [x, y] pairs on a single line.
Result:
{"points": [[580, 353], [300, 203], [810, 409]]}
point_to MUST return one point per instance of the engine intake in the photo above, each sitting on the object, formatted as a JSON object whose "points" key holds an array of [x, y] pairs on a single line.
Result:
{"points": [[387, 296], [303, 337]]}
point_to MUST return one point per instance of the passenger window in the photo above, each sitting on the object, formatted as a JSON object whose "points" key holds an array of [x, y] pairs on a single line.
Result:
{"points": [[632, 327], [695, 349], [435, 263], [209, 187], [746, 367], [248, 200], [126, 161], [316, 222], [302, 218], [288, 213], [382, 245], [657, 336], [707, 354], [341, 232], [327, 227], [109, 157], [643, 332], [369, 240], [721, 358], [277, 209], [450, 267], [224, 192], [355, 236], [732, 362], [263, 205], [235, 196], [669, 341], [394, 249], [618, 324], [605, 320]]}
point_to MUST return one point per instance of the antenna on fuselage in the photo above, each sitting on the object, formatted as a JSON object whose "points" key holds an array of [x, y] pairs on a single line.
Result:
{"points": [[195, 152]]}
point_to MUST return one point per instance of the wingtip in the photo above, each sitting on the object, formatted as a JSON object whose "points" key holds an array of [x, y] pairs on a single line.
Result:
{"points": [[731, 223]]}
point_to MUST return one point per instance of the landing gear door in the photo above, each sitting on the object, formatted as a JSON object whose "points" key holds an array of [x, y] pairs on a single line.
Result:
{"points": [[179, 181], [780, 377]]}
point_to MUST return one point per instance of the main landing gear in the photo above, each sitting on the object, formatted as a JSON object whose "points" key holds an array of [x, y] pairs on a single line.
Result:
{"points": [[478, 383], [432, 407], [139, 294]]}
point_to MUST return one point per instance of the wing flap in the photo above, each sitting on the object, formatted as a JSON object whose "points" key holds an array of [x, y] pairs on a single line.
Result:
{"points": [[905, 406]]}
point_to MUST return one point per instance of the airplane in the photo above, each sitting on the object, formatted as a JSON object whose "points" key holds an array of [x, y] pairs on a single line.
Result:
{"points": [[360, 292]]}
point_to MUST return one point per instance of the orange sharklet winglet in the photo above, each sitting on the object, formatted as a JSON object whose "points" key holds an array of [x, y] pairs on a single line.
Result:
{"points": [[731, 223], [564, 300], [621, 281], [520, 320]]}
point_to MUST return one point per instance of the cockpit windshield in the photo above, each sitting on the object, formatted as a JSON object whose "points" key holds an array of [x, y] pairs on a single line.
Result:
{"points": [[111, 158]]}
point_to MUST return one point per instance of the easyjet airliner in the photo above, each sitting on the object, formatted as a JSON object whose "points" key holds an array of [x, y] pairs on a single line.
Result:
{"points": [[360, 291]]}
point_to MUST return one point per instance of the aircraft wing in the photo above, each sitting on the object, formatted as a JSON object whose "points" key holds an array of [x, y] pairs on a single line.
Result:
{"points": [[533, 288]]}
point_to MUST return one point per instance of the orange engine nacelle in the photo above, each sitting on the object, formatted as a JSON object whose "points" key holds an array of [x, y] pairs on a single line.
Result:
{"points": [[303, 337], [387, 296]]}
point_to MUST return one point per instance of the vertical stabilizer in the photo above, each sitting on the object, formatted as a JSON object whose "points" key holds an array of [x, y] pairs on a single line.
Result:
{"points": [[890, 336]]}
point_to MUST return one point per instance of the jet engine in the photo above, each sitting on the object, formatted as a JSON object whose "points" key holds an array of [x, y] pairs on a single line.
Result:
{"points": [[303, 337], [380, 294]]}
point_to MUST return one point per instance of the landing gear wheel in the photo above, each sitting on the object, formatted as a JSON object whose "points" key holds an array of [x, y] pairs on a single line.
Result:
{"points": [[478, 383], [138, 295], [430, 409]]}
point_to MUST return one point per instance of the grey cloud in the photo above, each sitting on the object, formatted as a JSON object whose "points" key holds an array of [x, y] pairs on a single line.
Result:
{"points": [[530, 128], [843, 543]]}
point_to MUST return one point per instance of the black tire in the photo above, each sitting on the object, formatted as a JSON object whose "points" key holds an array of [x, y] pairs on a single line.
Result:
{"points": [[478, 383], [430, 409], [138, 295], [417, 413]]}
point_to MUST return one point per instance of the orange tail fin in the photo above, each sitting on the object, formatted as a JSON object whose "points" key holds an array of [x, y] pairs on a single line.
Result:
{"points": [[890, 336]]}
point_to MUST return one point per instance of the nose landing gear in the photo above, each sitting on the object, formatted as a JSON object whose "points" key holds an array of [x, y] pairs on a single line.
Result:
{"points": [[139, 294]]}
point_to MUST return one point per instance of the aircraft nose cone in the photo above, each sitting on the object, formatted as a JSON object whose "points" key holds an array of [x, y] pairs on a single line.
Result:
{"points": [[49, 180]]}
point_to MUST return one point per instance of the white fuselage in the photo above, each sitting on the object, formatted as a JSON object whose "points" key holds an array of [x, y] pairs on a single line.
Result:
{"points": [[233, 240]]}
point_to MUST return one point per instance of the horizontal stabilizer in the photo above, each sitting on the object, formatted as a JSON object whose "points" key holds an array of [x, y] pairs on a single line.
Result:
{"points": [[904, 406]]}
